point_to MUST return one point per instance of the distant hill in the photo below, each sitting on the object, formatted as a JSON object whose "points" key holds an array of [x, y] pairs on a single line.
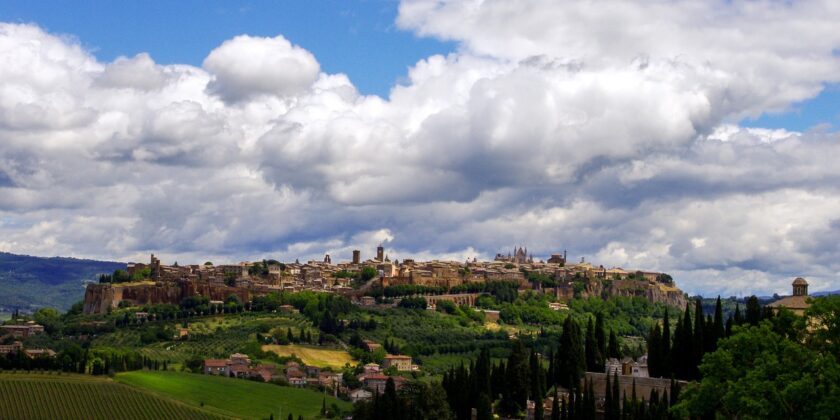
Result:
{"points": [[28, 283], [832, 292]]}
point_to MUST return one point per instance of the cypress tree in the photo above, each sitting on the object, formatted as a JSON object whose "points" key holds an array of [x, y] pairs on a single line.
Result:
{"points": [[653, 400], [497, 380], [709, 335], [753, 312], [718, 323], [580, 403], [616, 409], [608, 400], [625, 407], [590, 402], [614, 348], [483, 372], [570, 406], [564, 410], [389, 401], [551, 375], [654, 349], [570, 356], [666, 362], [698, 346], [600, 340], [536, 378], [591, 348], [555, 407], [675, 392], [728, 329], [515, 392], [484, 409], [686, 355], [737, 319]]}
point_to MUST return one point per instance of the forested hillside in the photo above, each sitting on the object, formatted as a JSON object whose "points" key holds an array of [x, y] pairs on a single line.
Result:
{"points": [[32, 282]]}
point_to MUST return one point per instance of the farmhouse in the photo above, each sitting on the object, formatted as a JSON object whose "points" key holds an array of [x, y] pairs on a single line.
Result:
{"points": [[216, 367], [22, 331], [399, 361], [11, 348], [239, 366]]}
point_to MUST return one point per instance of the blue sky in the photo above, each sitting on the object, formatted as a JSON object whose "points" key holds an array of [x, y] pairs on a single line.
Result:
{"points": [[545, 125], [358, 38]]}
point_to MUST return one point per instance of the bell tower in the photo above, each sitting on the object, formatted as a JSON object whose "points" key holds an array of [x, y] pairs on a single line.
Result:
{"points": [[800, 287]]}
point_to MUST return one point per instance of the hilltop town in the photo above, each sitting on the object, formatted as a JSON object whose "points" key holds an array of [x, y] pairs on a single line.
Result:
{"points": [[155, 283]]}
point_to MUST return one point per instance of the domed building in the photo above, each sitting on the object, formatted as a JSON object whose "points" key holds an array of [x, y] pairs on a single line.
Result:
{"points": [[797, 303]]}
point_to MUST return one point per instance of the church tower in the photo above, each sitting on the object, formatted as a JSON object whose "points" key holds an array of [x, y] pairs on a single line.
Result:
{"points": [[800, 287]]}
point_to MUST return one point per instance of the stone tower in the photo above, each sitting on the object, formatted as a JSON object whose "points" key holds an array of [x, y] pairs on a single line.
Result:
{"points": [[800, 287], [357, 256], [380, 253], [155, 268]]}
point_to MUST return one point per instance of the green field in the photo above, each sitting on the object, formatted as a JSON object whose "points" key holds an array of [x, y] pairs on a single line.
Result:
{"points": [[313, 356], [232, 397], [53, 396], [210, 337]]}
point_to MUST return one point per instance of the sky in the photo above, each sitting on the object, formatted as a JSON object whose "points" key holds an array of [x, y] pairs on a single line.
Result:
{"points": [[694, 137]]}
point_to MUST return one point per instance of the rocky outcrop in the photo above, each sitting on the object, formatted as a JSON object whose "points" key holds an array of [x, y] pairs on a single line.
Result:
{"points": [[654, 292], [99, 298]]}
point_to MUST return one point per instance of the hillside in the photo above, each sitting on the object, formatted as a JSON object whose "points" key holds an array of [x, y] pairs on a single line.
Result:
{"points": [[43, 396], [32, 282], [228, 396]]}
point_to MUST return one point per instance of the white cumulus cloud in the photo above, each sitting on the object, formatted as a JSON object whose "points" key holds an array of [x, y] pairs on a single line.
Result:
{"points": [[606, 128]]}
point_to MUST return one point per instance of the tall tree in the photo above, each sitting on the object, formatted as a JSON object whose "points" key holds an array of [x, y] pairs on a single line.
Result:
{"points": [[390, 403], [537, 383], [737, 319], [753, 312], [608, 401], [719, 327], [591, 348], [515, 392], [654, 352], [698, 346], [614, 348], [571, 363], [666, 366], [600, 340], [685, 355], [484, 409]]}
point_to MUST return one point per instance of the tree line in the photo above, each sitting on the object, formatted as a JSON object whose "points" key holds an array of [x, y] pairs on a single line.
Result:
{"points": [[679, 354]]}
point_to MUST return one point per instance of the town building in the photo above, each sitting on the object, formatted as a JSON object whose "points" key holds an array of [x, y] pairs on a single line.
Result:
{"points": [[798, 302], [22, 331], [400, 362]]}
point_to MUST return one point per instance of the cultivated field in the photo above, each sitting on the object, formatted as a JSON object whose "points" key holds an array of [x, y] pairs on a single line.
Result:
{"points": [[314, 356], [210, 337], [233, 397], [53, 396]]}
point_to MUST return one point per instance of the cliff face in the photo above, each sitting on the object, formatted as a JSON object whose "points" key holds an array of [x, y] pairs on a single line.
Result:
{"points": [[100, 297], [654, 292]]}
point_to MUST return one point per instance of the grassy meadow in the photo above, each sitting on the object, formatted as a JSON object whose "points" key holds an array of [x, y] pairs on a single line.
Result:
{"points": [[231, 397]]}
